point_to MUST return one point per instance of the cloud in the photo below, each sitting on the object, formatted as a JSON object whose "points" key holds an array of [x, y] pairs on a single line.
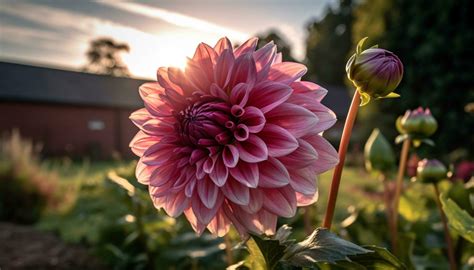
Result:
{"points": [[177, 19]]}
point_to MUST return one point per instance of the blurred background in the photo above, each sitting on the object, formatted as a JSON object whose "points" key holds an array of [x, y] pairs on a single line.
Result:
{"points": [[69, 78]]}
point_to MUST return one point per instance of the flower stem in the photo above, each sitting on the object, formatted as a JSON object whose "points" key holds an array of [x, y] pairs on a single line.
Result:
{"points": [[447, 236], [398, 191], [388, 210], [228, 250], [336, 178]]}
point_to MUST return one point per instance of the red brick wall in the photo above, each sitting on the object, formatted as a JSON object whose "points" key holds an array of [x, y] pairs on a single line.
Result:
{"points": [[65, 130]]}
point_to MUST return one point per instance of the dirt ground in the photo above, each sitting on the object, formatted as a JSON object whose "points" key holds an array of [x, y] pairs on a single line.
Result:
{"points": [[24, 247]]}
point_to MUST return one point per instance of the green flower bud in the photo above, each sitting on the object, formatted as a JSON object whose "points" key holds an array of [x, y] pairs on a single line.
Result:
{"points": [[375, 72], [430, 171], [418, 123], [379, 155]]}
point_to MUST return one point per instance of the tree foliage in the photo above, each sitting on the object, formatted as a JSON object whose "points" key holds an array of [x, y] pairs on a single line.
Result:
{"points": [[279, 40], [104, 57], [432, 39], [328, 45]]}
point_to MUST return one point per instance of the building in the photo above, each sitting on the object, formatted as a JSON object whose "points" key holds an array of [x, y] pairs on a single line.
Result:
{"points": [[79, 114]]}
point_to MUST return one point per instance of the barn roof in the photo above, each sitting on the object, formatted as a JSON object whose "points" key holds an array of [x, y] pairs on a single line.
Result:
{"points": [[19, 82]]}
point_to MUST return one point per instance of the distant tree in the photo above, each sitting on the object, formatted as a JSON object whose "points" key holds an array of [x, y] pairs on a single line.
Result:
{"points": [[282, 44], [329, 43], [104, 57], [434, 40]]}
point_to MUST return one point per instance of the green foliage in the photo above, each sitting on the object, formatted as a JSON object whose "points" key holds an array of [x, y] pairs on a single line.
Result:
{"points": [[430, 38], [26, 188], [379, 155], [328, 45], [320, 250], [459, 220]]}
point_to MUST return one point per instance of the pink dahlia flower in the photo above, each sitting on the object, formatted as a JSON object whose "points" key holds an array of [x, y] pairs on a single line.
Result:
{"points": [[233, 139]]}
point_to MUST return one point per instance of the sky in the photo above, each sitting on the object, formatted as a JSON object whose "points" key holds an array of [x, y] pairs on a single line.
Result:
{"points": [[159, 33]]}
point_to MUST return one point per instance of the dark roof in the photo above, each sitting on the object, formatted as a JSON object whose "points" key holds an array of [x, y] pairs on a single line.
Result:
{"points": [[337, 99], [20, 82]]}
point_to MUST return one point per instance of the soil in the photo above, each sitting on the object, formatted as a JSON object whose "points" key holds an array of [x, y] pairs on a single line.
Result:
{"points": [[24, 247]]}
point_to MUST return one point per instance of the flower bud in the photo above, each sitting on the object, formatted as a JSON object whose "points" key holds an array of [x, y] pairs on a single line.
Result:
{"points": [[430, 171], [379, 156], [418, 123], [375, 72]]}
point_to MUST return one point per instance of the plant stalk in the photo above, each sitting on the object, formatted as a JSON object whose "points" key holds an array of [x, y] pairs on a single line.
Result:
{"points": [[398, 190], [336, 178], [228, 250], [389, 211], [447, 236]]}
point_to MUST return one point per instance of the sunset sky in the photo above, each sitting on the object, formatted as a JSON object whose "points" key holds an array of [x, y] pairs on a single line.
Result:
{"points": [[160, 33]]}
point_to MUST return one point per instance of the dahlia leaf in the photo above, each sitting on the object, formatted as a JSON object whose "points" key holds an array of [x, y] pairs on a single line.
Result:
{"points": [[360, 45], [265, 252], [401, 138], [459, 220], [322, 246], [364, 99]]}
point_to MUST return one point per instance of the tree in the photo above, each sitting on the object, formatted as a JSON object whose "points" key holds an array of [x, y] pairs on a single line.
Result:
{"points": [[433, 39], [282, 44], [104, 57], [328, 45]]}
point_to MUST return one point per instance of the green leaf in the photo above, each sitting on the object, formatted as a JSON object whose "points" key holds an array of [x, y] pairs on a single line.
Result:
{"points": [[391, 95], [379, 258], [364, 99], [401, 138], [322, 246], [458, 219], [360, 45], [265, 253]]}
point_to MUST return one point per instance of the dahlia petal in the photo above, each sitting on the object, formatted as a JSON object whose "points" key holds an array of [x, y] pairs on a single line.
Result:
{"points": [[296, 119], [253, 149], [207, 192], [175, 204], [206, 57], [197, 226], [263, 59], [303, 181], [158, 202], [240, 94], [216, 91], [230, 156], [327, 155], [220, 173], [189, 189], [150, 88], [254, 119], [141, 142], [163, 174], [143, 172], [197, 76], [247, 220], [305, 200], [279, 141], [327, 118], [246, 47], [286, 72], [158, 154], [236, 192], [196, 155], [224, 65], [220, 224], [246, 173], [140, 117], [202, 213], [266, 222], [223, 44], [208, 165], [178, 78], [278, 58], [243, 71], [267, 95], [316, 91], [273, 174], [231, 214], [157, 128], [305, 155], [241, 133], [255, 201], [280, 201]]}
